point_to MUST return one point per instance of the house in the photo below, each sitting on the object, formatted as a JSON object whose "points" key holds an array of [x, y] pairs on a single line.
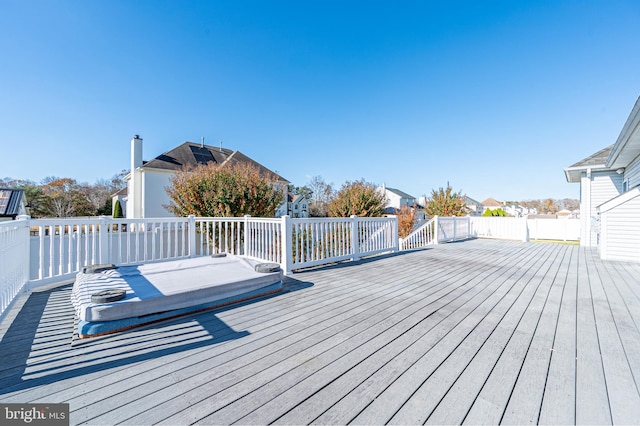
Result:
{"points": [[491, 204], [12, 203], [296, 205], [516, 210], [473, 207], [610, 194], [396, 199], [147, 180]]}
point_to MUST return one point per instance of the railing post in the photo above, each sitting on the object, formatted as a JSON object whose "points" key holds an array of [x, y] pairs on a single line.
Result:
{"points": [[435, 229], [455, 226], [245, 243], [192, 235], [468, 226], [286, 259], [355, 240], [525, 236], [103, 240], [395, 235], [25, 223]]}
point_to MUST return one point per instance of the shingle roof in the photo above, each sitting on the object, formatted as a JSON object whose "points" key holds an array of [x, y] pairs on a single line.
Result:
{"points": [[400, 193], [192, 154], [490, 202], [597, 159]]}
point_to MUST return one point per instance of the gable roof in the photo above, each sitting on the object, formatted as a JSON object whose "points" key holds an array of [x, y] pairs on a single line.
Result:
{"points": [[491, 202], [192, 154], [10, 202], [399, 193], [616, 156], [627, 146], [468, 201], [597, 160]]}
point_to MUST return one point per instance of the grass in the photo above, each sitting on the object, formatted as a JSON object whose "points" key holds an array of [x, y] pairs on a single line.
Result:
{"points": [[571, 243]]}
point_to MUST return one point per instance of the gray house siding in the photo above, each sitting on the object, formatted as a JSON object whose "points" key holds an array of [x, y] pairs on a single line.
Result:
{"points": [[602, 187], [621, 232], [632, 174]]}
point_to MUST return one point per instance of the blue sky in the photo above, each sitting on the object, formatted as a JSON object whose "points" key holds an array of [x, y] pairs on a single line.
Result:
{"points": [[495, 97]]}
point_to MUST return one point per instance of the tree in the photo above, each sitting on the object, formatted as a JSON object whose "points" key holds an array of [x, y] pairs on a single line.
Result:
{"points": [[406, 221], [63, 197], [117, 210], [321, 193], [211, 190], [445, 202], [357, 198]]}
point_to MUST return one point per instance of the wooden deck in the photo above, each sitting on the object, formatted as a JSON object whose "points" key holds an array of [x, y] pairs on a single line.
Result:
{"points": [[473, 332]]}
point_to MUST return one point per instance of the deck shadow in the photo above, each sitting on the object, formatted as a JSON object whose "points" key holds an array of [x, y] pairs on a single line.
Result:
{"points": [[28, 369], [361, 261]]}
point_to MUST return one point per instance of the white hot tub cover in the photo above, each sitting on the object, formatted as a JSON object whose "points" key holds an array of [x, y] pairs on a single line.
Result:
{"points": [[167, 286]]}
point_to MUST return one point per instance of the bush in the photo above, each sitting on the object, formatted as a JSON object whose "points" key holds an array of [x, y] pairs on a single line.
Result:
{"points": [[211, 190], [494, 213], [357, 198], [445, 202], [405, 221], [117, 210]]}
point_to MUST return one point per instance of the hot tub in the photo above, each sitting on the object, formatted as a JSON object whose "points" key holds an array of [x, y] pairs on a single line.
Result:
{"points": [[157, 291]]}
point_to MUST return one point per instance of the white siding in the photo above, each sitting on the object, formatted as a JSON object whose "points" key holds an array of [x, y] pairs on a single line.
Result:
{"points": [[621, 232], [632, 173], [604, 186], [155, 195]]}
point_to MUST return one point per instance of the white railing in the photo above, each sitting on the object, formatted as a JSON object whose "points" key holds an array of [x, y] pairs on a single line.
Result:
{"points": [[39, 251], [437, 230], [502, 228], [263, 239], [59, 248], [318, 241], [554, 229], [452, 228], [421, 237], [14, 260]]}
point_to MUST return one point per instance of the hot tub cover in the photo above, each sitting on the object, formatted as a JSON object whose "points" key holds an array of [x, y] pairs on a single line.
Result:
{"points": [[170, 286]]}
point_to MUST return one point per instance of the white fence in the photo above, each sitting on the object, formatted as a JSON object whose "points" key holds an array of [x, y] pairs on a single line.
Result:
{"points": [[14, 260], [443, 229], [502, 228], [39, 251], [327, 240], [523, 229], [554, 229]]}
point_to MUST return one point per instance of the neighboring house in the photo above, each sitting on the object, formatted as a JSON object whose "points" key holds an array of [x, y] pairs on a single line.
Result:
{"points": [[296, 206], [610, 194], [122, 197], [516, 210], [12, 203], [490, 204], [147, 180], [473, 207], [396, 199]]}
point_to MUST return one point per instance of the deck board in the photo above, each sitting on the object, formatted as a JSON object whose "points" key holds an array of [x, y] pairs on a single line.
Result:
{"points": [[475, 332]]}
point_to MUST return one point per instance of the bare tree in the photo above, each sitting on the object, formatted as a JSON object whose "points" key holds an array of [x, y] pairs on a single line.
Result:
{"points": [[321, 195]]}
